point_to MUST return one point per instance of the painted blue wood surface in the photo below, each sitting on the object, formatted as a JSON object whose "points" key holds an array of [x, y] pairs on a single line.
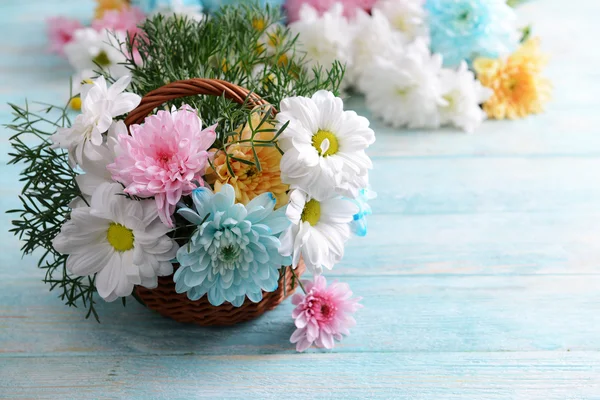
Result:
{"points": [[479, 275]]}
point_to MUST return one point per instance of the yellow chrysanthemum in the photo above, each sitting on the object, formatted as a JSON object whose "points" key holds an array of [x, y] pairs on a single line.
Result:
{"points": [[248, 181], [519, 89], [107, 5]]}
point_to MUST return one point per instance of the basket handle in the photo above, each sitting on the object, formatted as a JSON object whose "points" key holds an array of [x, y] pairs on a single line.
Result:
{"points": [[191, 87]]}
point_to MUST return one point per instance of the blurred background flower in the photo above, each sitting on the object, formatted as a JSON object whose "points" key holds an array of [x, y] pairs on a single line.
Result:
{"points": [[465, 29]]}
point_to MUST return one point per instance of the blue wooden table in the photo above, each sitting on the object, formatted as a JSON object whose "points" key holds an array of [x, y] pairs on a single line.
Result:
{"points": [[479, 274]]}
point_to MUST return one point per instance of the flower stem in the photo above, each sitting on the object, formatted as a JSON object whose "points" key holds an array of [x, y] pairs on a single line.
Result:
{"points": [[298, 280]]}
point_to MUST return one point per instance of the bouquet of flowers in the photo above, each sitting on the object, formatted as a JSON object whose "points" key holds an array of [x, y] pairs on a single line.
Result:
{"points": [[204, 181]]}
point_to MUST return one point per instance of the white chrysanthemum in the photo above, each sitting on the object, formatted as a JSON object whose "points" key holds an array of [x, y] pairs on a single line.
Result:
{"points": [[96, 172], [373, 36], [91, 48], [120, 240], [462, 94], [99, 105], [406, 16], [323, 38], [324, 146], [404, 88], [318, 232], [271, 38]]}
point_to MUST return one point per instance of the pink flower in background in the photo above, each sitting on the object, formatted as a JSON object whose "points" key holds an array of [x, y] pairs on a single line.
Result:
{"points": [[165, 157], [60, 32], [125, 20], [323, 314], [293, 7]]}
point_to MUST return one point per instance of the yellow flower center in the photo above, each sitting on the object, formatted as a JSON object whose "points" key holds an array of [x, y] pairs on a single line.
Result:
{"points": [[259, 24], [402, 91], [102, 59], [311, 212], [252, 171], [224, 65], [75, 103], [400, 23], [120, 237], [274, 40], [283, 60], [325, 142], [450, 99]]}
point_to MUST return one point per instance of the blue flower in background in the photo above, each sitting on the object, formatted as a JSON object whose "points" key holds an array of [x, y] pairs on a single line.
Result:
{"points": [[359, 223], [466, 29], [233, 254]]}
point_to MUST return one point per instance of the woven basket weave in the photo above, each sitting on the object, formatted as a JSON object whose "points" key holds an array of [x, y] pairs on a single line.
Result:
{"points": [[164, 299]]}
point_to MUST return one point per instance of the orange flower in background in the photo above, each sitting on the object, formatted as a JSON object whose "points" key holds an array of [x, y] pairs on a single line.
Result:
{"points": [[107, 5], [248, 181], [519, 89]]}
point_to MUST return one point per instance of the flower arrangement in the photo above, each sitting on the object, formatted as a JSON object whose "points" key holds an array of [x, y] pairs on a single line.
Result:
{"points": [[210, 176]]}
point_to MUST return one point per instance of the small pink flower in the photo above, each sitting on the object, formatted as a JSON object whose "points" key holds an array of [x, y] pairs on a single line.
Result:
{"points": [[165, 157], [125, 20], [293, 7], [60, 32], [323, 314]]}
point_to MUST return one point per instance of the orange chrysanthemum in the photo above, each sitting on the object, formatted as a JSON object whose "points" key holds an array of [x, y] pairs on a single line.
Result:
{"points": [[248, 181], [519, 89], [107, 5]]}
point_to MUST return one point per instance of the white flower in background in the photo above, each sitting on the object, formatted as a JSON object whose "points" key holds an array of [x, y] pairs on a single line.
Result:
{"points": [[406, 16], [324, 146], [121, 240], [180, 9], [404, 88], [271, 38], [373, 36], [323, 38], [99, 105], [462, 94], [90, 49], [318, 232]]}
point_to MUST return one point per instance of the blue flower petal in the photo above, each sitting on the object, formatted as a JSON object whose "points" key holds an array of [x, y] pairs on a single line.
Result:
{"points": [[201, 197]]}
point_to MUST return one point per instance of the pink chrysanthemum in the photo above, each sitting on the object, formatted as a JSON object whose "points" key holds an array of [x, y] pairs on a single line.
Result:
{"points": [[165, 157], [293, 7], [60, 32], [323, 314], [125, 20]]}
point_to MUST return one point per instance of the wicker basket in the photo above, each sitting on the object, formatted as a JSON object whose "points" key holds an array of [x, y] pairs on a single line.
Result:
{"points": [[164, 299]]}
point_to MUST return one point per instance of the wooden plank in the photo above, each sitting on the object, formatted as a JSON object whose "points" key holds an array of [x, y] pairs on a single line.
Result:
{"points": [[441, 313], [523, 375]]}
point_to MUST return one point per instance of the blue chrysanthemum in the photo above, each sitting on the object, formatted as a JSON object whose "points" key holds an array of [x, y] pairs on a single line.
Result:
{"points": [[233, 253], [466, 29]]}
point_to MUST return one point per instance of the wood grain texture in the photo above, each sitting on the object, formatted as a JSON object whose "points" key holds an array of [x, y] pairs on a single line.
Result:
{"points": [[479, 274]]}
